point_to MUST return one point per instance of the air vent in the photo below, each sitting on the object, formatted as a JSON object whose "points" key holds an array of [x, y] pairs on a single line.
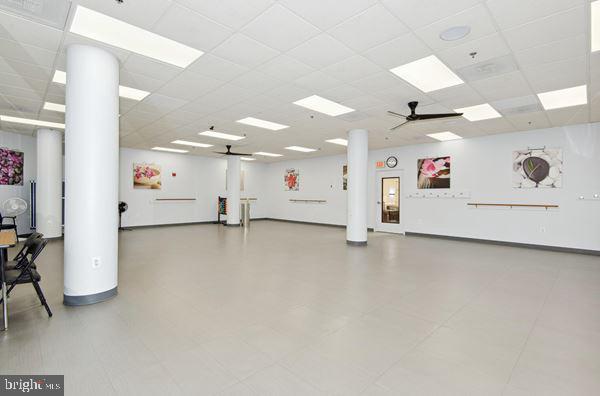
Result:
{"points": [[521, 110], [490, 68], [516, 106], [51, 13]]}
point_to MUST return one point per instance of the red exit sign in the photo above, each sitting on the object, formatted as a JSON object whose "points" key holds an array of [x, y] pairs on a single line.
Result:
{"points": [[380, 164]]}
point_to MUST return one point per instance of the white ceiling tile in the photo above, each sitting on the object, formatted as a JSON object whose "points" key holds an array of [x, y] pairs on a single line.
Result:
{"points": [[160, 103], [477, 18], [368, 29], [289, 93], [192, 29], [317, 82], [25, 69], [379, 82], [218, 68], [399, 51], [139, 81], [321, 51], [327, 13], [256, 81], [15, 80], [571, 47], [27, 32], [354, 68], [343, 93], [501, 87], [21, 93], [189, 86], [546, 30], [149, 67], [418, 13], [141, 13], [568, 115], [557, 75], [457, 97], [291, 29], [20, 105], [535, 120], [26, 53], [245, 51], [364, 102], [232, 13], [511, 13], [487, 48], [285, 68]]}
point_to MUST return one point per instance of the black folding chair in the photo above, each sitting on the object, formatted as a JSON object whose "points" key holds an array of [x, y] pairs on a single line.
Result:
{"points": [[9, 226], [17, 261], [27, 273]]}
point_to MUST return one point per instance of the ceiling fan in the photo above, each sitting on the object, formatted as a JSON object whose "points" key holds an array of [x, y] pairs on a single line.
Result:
{"points": [[229, 152], [413, 116]]}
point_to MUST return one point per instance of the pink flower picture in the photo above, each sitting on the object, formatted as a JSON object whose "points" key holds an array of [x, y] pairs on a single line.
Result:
{"points": [[146, 176], [433, 172], [11, 167]]}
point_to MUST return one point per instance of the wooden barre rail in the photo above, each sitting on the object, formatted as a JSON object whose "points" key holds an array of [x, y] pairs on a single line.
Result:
{"points": [[248, 199], [546, 206], [175, 199], [308, 200]]}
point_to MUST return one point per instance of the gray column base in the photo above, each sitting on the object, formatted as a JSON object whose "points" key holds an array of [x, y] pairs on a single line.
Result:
{"points": [[90, 298], [232, 225], [356, 243]]}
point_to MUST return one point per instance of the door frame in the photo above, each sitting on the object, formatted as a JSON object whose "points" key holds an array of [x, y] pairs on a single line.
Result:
{"points": [[385, 227]]}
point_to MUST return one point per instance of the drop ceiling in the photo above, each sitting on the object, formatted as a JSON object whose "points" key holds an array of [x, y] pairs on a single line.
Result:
{"points": [[261, 56]]}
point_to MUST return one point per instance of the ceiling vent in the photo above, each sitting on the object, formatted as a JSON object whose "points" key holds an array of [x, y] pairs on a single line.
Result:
{"points": [[516, 106], [51, 13], [490, 68]]}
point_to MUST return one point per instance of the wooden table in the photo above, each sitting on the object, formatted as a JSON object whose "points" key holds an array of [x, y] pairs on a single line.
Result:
{"points": [[7, 239]]}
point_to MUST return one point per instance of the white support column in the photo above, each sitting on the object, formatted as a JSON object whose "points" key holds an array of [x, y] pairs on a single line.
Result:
{"points": [[358, 164], [91, 175], [48, 216], [233, 190]]}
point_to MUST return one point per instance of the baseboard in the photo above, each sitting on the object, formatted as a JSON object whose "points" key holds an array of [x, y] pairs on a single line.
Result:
{"points": [[512, 244], [370, 229]]}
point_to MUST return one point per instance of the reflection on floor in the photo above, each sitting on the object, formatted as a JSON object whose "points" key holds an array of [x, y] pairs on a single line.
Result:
{"points": [[290, 309]]}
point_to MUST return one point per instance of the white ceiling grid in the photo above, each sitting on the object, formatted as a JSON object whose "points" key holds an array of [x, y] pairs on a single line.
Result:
{"points": [[262, 55]]}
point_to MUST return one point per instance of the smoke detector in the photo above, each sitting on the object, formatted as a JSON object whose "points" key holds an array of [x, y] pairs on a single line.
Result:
{"points": [[455, 33]]}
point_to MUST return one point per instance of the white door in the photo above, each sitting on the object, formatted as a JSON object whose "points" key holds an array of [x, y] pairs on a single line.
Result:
{"points": [[389, 202]]}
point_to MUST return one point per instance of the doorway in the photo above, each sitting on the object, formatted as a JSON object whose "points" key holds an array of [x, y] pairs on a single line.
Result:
{"points": [[389, 202]]}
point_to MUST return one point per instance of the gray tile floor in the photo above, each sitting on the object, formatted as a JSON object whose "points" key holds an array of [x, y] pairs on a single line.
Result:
{"points": [[289, 309]]}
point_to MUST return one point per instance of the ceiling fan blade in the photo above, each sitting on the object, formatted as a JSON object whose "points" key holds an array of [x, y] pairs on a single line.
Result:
{"points": [[398, 126], [396, 114], [434, 116], [245, 154], [221, 152]]}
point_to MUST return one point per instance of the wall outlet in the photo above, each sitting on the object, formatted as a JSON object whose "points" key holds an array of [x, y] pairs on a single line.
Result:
{"points": [[543, 230], [96, 262]]}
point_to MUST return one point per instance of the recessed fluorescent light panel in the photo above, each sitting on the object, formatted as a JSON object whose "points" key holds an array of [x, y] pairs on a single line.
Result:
{"points": [[221, 135], [301, 149], [444, 136], [595, 26], [341, 142], [193, 144], [247, 159], [27, 121], [108, 30], [60, 77], [265, 154], [54, 107], [568, 97], [262, 123], [170, 150], [479, 112], [323, 105], [428, 74]]}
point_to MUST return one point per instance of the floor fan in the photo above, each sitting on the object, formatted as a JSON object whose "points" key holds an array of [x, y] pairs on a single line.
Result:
{"points": [[13, 207]]}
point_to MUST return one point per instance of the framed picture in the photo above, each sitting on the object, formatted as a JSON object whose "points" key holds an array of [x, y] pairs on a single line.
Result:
{"points": [[146, 176], [291, 180], [11, 167], [345, 177], [433, 172], [538, 168]]}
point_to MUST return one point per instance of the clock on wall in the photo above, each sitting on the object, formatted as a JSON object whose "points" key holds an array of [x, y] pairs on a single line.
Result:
{"points": [[391, 162]]}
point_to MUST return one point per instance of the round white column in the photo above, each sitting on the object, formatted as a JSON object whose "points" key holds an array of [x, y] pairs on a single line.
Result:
{"points": [[234, 171], [48, 217], [91, 175], [358, 164]]}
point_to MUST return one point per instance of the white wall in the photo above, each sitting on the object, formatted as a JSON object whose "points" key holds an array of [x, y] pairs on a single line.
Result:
{"points": [[197, 177], [482, 166], [26, 144]]}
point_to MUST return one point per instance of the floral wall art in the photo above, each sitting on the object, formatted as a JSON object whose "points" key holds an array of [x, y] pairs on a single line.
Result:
{"points": [[146, 176], [291, 180], [433, 172], [538, 168], [11, 167]]}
